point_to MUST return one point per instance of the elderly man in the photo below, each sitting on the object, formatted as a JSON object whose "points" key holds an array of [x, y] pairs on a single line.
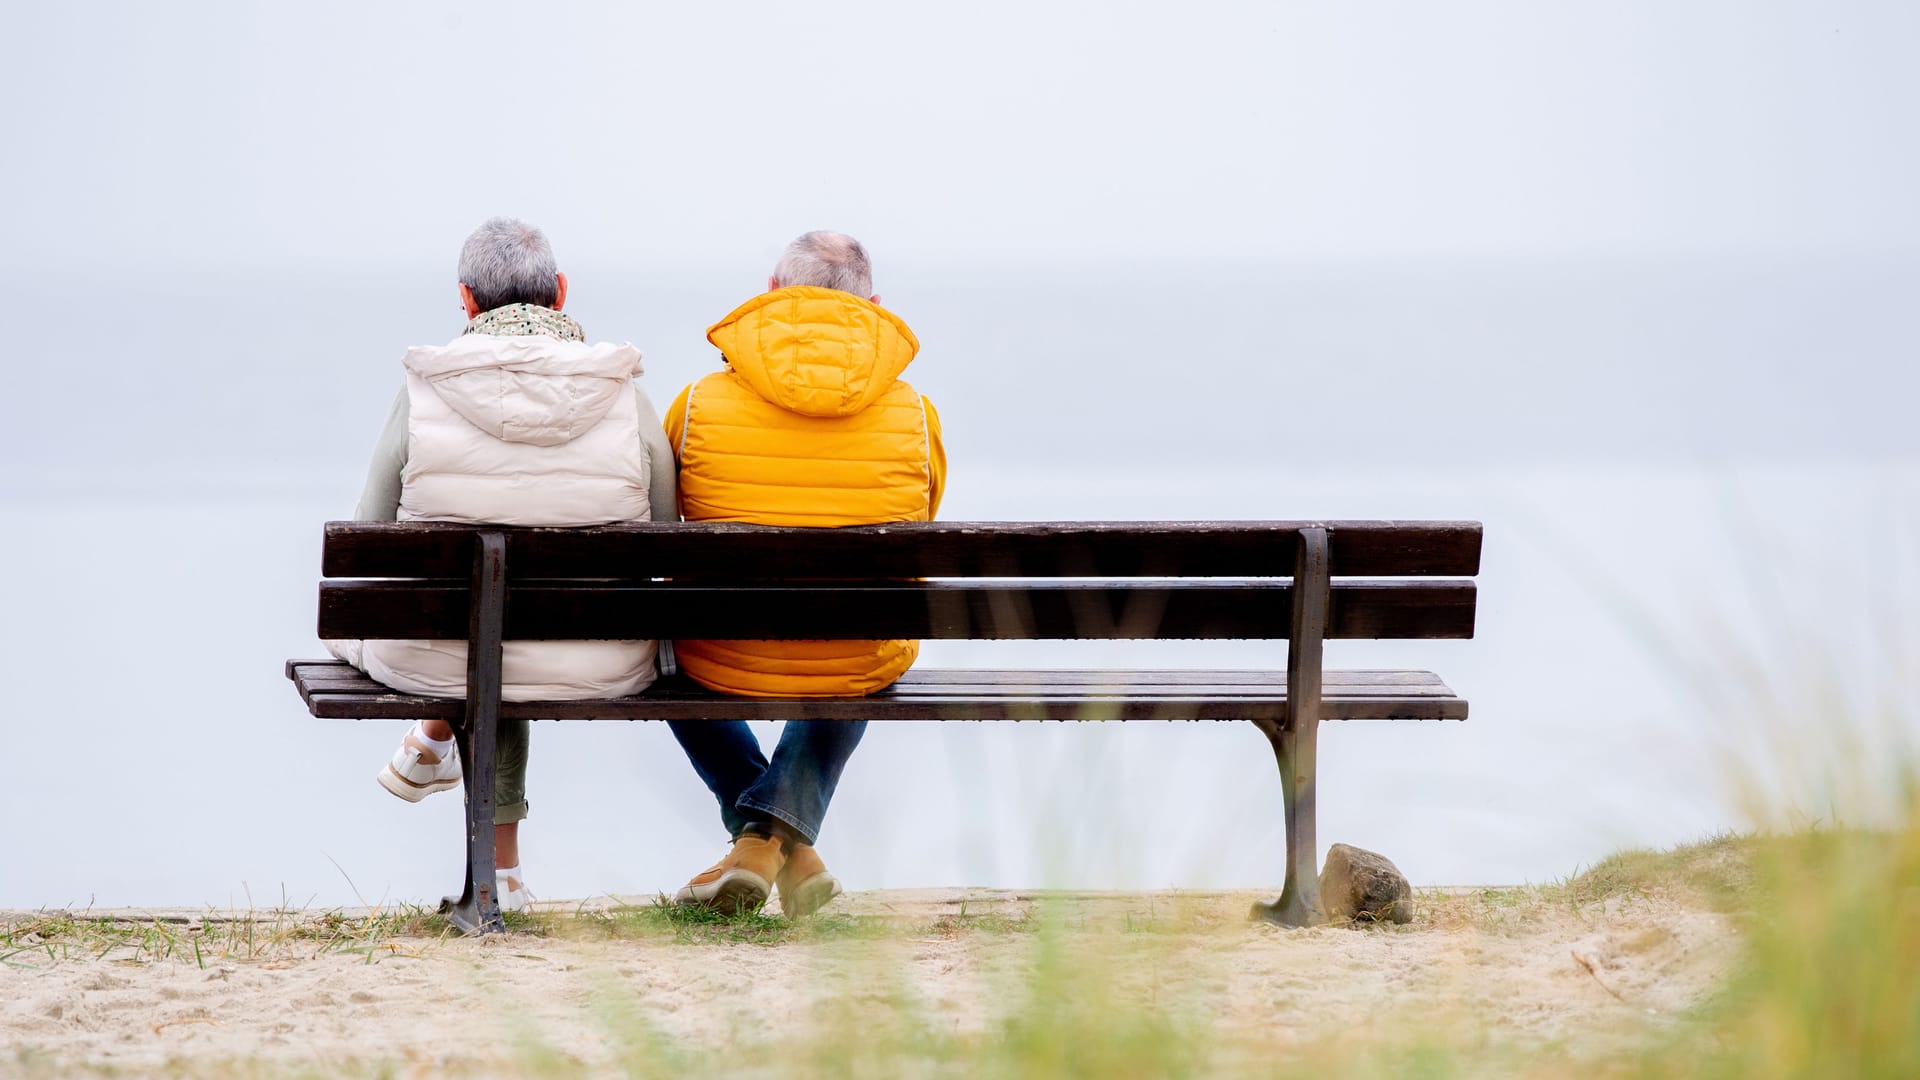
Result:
{"points": [[808, 424], [518, 421]]}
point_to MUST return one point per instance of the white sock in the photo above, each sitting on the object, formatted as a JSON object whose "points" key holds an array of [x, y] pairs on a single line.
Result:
{"points": [[505, 872], [440, 747]]}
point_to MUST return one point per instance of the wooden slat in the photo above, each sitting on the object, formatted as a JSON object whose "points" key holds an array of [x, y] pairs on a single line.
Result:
{"points": [[927, 677], [375, 707], [335, 690], [333, 684], [935, 676], [970, 610], [917, 549]]}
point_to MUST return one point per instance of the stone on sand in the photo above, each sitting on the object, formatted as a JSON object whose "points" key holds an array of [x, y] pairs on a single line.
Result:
{"points": [[1364, 886]]}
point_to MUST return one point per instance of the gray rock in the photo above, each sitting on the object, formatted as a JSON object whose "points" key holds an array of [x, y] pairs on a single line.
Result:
{"points": [[1365, 887]]}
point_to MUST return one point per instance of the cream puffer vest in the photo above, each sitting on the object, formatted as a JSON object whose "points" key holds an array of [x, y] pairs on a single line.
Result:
{"points": [[526, 430]]}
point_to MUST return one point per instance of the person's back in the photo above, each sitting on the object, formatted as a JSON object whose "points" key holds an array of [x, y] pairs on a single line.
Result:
{"points": [[810, 424], [518, 421]]}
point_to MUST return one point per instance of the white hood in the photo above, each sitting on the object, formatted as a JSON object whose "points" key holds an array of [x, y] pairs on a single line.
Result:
{"points": [[522, 430], [528, 388]]}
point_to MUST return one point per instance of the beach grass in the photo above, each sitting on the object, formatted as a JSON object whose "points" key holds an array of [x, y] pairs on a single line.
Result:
{"points": [[31, 939], [1828, 983]]}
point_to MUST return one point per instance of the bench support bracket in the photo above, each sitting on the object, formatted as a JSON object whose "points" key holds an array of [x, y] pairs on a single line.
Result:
{"points": [[1294, 740], [477, 909]]}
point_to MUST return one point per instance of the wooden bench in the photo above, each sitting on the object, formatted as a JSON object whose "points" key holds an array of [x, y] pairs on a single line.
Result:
{"points": [[1300, 581]]}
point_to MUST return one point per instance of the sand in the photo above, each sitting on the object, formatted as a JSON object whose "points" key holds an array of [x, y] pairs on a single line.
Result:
{"points": [[960, 960]]}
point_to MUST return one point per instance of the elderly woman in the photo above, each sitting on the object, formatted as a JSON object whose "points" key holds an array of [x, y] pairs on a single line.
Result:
{"points": [[518, 421]]}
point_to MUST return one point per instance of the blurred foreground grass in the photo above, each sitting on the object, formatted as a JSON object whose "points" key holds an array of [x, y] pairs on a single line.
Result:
{"points": [[1827, 985]]}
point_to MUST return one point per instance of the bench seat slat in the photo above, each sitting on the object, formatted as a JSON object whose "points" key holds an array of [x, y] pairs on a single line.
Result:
{"points": [[933, 676], [335, 690], [1103, 688]]}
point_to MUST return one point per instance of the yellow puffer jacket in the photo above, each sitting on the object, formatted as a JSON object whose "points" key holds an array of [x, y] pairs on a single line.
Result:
{"points": [[808, 425]]}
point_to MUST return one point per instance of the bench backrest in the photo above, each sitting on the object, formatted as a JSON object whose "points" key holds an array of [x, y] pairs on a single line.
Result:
{"points": [[1020, 580]]}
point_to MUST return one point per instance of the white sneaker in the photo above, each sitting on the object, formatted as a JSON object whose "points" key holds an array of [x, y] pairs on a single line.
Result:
{"points": [[512, 892], [417, 772]]}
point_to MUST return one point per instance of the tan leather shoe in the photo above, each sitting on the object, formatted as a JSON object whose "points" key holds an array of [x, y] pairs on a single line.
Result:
{"points": [[741, 881], [804, 884]]}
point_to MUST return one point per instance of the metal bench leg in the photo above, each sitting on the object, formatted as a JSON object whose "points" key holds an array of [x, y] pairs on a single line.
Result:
{"points": [[1294, 741], [1299, 903], [477, 909]]}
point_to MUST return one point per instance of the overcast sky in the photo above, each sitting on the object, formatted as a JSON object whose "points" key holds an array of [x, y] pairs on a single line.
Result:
{"points": [[273, 134]]}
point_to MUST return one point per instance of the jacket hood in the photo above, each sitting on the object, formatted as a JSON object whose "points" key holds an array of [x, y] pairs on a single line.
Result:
{"points": [[527, 389], [813, 351]]}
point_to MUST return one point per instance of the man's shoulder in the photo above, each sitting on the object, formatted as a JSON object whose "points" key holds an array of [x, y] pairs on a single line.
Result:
{"points": [[724, 380], [902, 391]]}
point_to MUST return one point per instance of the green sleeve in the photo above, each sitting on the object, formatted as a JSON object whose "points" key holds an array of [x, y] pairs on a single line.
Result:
{"points": [[663, 496], [380, 501]]}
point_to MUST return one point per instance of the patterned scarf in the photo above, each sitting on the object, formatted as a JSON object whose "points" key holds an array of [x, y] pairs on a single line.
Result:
{"points": [[521, 320]]}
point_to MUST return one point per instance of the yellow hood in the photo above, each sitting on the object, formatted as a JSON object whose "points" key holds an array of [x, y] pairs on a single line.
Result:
{"points": [[813, 351]]}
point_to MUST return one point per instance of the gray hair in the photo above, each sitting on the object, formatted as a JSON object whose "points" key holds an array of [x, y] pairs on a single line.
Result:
{"points": [[507, 261], [829, 260]]}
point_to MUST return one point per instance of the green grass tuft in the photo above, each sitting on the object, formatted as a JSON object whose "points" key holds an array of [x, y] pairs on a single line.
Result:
{"points": [[39, 940], [1717, 872]]}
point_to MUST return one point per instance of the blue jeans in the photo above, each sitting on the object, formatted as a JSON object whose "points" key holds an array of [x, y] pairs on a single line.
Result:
{"points": [[793, 789]]}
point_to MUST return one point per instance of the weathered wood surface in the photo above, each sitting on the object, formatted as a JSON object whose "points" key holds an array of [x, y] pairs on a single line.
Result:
{"points": [[920, 549], [335, 690], [968, 610]]}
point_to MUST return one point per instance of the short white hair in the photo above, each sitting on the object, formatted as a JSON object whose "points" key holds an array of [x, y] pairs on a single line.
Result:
{"points": [[507, 261], [829, 260]]}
